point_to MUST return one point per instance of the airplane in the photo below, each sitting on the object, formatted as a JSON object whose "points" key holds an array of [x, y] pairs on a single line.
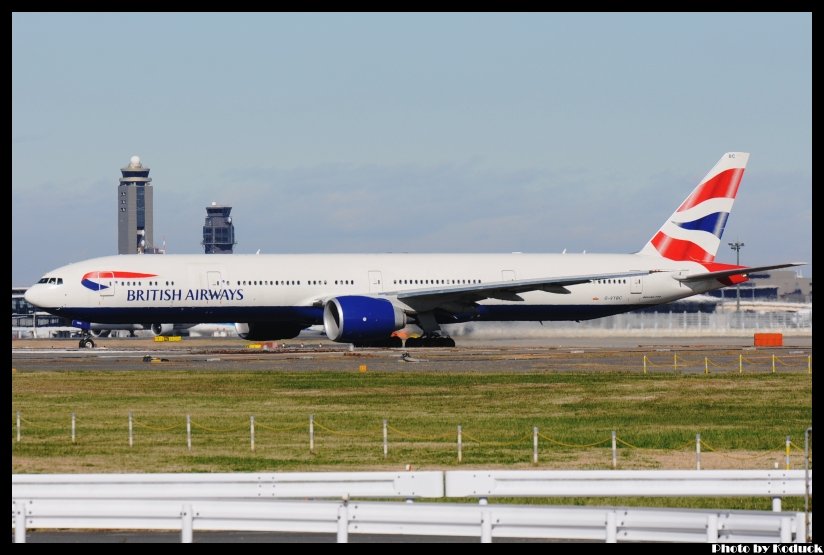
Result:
{"points": [[372, 299]]}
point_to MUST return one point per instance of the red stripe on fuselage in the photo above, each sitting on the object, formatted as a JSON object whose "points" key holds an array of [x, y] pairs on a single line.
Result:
{"points": [[129, 275], [723, 185]]}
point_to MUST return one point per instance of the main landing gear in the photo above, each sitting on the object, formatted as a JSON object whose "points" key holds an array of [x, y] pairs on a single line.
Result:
{"points": [[394, 342], [431, 336], [430, 340], [86, 342]]}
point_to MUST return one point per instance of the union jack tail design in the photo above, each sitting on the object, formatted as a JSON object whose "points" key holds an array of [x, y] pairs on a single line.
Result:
{"points": [[694, 231]]}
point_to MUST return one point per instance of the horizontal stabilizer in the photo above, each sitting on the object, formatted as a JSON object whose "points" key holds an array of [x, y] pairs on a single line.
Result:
{"points": [[739, 271]]}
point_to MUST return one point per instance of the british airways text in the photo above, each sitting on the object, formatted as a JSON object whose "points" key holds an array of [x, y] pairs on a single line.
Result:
{"points": [[133, 295]]}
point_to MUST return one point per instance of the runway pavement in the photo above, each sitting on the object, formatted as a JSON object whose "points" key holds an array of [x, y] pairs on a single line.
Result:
{"points": [[612, 353]]}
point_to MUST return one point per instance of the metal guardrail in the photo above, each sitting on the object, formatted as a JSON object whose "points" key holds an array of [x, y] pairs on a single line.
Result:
{"points": [[618, 483], [255, 502], [420, 519], [334, 485], [582, 523]]}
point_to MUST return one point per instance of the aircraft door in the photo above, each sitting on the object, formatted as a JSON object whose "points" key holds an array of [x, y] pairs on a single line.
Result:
{"points": [[375, 281], [213, 279], [636, 285], [205, 288], [106, 283], [214, 282]]}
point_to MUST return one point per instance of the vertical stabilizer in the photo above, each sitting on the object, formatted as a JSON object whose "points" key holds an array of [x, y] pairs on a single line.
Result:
{"points": [[693, 232]]}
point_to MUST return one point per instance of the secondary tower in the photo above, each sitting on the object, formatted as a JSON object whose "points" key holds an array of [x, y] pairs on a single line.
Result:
{"points": [[218, 231]]}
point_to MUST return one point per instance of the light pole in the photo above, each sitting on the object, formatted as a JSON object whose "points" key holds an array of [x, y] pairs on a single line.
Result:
{"points": [[736, 246]]}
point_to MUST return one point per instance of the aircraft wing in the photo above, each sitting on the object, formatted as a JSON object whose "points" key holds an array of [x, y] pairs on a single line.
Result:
{"points": [[458, 297], [740, 271]]}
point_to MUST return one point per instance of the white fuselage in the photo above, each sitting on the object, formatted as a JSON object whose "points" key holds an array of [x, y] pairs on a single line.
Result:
{"points": [[280, 288]]}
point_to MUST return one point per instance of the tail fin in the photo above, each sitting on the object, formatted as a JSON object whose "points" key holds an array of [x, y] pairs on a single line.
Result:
{"points": [[694, 231]]}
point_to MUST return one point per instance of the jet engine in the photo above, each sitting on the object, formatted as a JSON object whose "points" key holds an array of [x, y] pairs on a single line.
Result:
{"points": [[354, 318], [163, 329]]}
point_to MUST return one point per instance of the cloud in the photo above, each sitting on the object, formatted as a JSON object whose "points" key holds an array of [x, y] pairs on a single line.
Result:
{"points": [[406, 208]]}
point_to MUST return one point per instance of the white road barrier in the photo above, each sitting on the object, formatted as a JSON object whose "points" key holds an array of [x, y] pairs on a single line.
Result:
{"points": [[419, 519], [620, 483], [407, 485], [258, 502]]}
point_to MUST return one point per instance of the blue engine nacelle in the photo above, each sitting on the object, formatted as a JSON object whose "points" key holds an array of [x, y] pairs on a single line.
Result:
{"points": [[354, 318], [163, 329]]}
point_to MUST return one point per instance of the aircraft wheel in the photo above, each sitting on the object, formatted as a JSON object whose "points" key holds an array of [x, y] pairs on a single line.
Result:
{"points": [[86, 343], [446, 342], [431, 341]]}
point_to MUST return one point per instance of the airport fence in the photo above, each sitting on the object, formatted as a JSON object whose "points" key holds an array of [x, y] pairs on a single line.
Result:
{"points": [[669, 323], [786, 453], [727, 363], [708, 321]]}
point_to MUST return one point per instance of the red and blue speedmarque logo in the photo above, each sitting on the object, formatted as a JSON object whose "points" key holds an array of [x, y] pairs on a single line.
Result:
{"points": [[89, 282]]}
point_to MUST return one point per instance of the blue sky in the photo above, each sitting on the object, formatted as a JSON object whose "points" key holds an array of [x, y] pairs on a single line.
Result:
{"points": [[532, 132]]}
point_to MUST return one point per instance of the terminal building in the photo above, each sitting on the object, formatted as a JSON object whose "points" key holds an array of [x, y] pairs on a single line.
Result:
{"points": [[218, 231]]}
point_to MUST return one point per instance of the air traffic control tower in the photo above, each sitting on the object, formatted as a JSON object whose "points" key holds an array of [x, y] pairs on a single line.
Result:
{"points": [[218, 231], [134, 209]]}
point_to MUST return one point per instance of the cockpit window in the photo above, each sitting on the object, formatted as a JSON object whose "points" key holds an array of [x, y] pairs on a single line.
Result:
{"points": [[51, 280], [43, 280]]}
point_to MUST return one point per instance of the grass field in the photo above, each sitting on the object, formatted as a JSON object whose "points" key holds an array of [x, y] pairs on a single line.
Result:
{"points": [[743, 420]]}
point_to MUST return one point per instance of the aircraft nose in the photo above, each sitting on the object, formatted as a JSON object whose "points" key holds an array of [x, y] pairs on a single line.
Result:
{"points": [[34, 295]]}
